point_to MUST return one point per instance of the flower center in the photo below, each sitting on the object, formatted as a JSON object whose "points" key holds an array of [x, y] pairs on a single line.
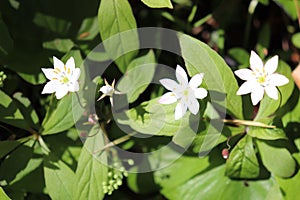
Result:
{"points": [[261, 79], [65, 79]]}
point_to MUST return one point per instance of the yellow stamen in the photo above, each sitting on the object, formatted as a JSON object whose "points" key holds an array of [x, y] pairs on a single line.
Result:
{"points": [[65, 68], [68, 70]]}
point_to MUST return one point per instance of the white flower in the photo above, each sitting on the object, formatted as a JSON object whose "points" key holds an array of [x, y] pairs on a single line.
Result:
{"points": [[63, 78], [186, 93], [108, 90], [261, 78]]}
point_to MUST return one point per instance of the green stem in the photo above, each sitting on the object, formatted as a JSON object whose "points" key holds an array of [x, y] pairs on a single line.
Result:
{"points": [[247, 123]]}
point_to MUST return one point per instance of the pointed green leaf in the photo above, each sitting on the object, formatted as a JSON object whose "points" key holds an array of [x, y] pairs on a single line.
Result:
{"points": [[267, 133], [158, 3], [219, 78], [242, 162], [61, 45], [138, 76], [59, 178], [92, 170], [276, 159], [116, 17], [3, 196]]}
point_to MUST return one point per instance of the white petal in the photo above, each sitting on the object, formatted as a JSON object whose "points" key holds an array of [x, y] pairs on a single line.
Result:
{"points": [[76, 74], [74, 87], [257, 95], [169, 84], [193, 105], [181, 75], [271, 65], [107, 89], [58, 63], [180, 110], [168, 98], [245, 74], [61, 92], [49, 73], [278, 80], [256, 63], [200, 93], [272, 92], [51, 87], [70, 63], [196, 80], [247, 87]]}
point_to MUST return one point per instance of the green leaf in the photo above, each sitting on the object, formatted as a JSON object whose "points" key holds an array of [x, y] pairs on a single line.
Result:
{"points": [[52, 23], [10, 113], [240, 55], [265, 2], [61, 45], [158, 3], [116, 17], [138, 76], [269, 106], [89, 29], [276, 159], [7, 147], [296, 40], [3, 196], [63, 117], [290, 187], [59, 178], [27, 110], [200, 58], [156, 119], [288, 7], [6, 42], [92, 168], [242, 162], [266, 133]]}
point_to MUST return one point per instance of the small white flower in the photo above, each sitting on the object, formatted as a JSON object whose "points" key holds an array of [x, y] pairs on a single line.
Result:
{"points": [[261, 78], [63, 78], [186, 93], [108, 90]]}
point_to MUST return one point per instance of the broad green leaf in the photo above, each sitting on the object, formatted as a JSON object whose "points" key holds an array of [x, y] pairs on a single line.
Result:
{"points": [[269, 106], [16, 162], [6, 42], [61, 45], [116, 17], [242, 162], [89, 29], [27, 110], [296, 40], [289, 7], [3, 196], [7, 146], [63, 117], [92, 168], [158, 3], [276, 159], [156, 119], [52, 23], [266, 133], [240, 55], [59, 178], [10, 113], [199, 58], [138, 76], [290, 187]]}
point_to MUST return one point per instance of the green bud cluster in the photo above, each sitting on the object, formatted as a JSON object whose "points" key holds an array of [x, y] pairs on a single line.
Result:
{"points": [[2, 78], [114, 178]]}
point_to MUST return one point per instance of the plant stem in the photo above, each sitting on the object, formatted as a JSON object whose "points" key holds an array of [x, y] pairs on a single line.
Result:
{"points": [[79, 100], [248, 123]]}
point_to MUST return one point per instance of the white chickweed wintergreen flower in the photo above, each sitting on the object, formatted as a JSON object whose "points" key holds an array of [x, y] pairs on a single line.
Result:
{"points": [[261, 78], [184, 92], [108, 90], [63, 78]]}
